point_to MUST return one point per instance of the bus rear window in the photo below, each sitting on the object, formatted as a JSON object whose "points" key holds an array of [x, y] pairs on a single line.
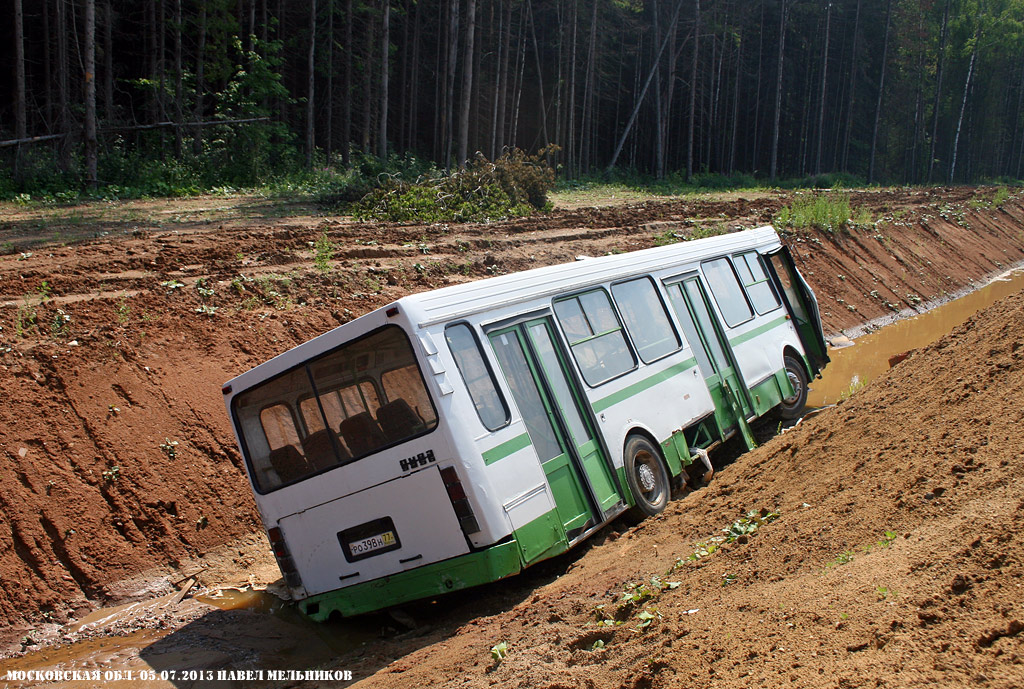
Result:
{"points": [[346, 404]]}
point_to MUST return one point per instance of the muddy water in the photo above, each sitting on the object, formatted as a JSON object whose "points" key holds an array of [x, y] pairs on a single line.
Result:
{"points": [[144, 645], [854, 366]]}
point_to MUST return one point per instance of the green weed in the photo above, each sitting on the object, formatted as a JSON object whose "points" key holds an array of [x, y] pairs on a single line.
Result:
{"points": [[647, 617], [826, 212], [170, 448], [59, 325], [25, 320], [499, 651], [323, 253], [123, 311]]}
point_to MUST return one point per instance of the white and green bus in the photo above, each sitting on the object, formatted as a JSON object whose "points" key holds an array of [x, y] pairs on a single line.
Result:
{"points": [[460, 435]]}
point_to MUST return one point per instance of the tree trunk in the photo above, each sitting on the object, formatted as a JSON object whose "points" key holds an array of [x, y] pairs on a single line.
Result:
{"points": [[467, 84], [368, 85], [20, 113], [449, 93], [346, 125], [659, 111], [643, 91], [824, 85], [414, 80], [519, 76], [783, 16], [963, 104], [938, 91], [586, 142], [881, 92], [329, 136], [503, 83], [311, 86], [853, 88], [385, 65], [179, 108], [64, 116], [90, 93], [197, 137], [735, 105], [47, 69], [540, 75], [152, 70]]}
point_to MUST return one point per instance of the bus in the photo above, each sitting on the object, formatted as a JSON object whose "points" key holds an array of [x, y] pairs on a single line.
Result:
{"points": [[457, 436]]}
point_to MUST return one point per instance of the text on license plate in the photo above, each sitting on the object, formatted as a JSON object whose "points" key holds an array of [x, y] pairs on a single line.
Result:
{"points": [[372, 543]]}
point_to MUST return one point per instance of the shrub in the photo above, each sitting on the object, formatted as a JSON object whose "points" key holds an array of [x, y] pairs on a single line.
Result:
{"points": [[511, 186]]}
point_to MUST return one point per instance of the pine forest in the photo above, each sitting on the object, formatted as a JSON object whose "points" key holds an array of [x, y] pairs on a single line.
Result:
{"points": [[196, 93]]}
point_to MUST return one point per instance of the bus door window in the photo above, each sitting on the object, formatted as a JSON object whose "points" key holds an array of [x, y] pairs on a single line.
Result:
{"points": [[728, 294], [512, 360], [646, 320], [595, 336], [755, 281]]}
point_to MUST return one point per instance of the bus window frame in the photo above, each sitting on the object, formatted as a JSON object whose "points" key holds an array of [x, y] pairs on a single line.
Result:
{"points": [[388, 400], [680, 340], [741, 255], [714, 295], [239, 430], [495, 382], [315, 394], [291, 412], [569, 342]]}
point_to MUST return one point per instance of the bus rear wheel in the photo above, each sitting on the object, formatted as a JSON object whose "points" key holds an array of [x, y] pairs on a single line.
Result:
{"points": [[647, 478], [793, 406]]}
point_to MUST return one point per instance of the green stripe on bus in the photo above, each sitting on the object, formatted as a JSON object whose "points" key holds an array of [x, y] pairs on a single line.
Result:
{"points": [[636, 388], [506, 448], [760, 330]]}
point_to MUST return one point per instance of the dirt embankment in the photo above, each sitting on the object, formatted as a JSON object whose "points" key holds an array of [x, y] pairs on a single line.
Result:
{"points": [[117, 454], [888, 555]]}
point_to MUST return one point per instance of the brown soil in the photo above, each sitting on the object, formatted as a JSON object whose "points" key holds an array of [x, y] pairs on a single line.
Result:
{"points": [[98, 503]]}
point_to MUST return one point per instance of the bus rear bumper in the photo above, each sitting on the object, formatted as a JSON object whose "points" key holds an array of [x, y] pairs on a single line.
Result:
{"points": [[464, 571]]}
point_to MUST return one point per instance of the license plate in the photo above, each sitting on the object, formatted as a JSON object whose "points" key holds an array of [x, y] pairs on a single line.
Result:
{"points": [[369, 539], [368, 545]]}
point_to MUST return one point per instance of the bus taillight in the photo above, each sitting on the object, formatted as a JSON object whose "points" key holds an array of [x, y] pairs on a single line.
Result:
{"points": [[457, 494], [284, 558]]}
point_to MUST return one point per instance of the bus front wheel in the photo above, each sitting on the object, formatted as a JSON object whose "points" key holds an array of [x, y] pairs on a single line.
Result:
{"points": [[647, 478], [793, 406]]}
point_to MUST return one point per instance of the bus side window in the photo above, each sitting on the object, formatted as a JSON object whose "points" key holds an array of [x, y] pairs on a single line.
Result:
{"points": [[285, 460], [755, 281], [731, 299], [406, 384], [477, 374], [595, 336], [645, 317]]}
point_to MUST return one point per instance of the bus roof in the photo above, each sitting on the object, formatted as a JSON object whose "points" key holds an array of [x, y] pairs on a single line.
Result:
{"points": [[459, 301]]}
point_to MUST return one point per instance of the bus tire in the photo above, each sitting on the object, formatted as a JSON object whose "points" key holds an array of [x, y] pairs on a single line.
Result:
{"points": [[646, 477], [793, 406]]}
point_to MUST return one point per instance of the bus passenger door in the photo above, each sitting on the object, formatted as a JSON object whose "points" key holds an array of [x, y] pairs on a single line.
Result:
{"points": [[713, 354], [560, 435], [801, 304], [573, 412]]}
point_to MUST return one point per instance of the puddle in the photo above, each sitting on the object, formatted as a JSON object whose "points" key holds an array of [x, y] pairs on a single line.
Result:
{"points": [[868, 358], [256, 600], [162, 643]]}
